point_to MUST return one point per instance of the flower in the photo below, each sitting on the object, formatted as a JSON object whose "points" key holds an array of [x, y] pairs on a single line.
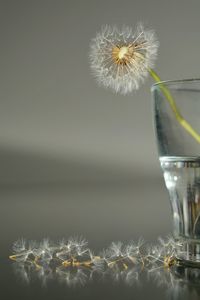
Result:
{"points": [[120, 59]]}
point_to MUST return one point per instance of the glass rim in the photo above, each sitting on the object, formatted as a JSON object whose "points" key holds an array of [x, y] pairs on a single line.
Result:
{"points": [[175, 81]]}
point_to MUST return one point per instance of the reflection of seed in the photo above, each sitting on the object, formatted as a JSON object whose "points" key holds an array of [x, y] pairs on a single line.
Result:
{"points": [[54, 263]]}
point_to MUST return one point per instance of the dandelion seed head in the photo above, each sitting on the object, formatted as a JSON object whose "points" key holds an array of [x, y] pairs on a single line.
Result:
{"points": [[77, 244], [121, 256], [115, 250], [165, 253], [120, 58], [19, 246]]}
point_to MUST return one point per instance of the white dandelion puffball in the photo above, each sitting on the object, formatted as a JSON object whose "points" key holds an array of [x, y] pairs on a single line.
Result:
{"points": [[120, 59]]}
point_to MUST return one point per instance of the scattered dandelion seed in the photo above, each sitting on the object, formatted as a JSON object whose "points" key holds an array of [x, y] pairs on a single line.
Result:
{"points": [[72, 259], [123, 256]]}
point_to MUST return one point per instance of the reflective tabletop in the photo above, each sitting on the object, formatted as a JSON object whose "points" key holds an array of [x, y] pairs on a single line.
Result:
{"points": [[101, 214]]}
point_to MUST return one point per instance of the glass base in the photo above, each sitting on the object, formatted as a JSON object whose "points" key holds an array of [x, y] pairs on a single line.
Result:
{"points": [[188, 254], [185, 274]]}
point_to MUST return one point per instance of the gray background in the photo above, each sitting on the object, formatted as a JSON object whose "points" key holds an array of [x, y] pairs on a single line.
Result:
{"points": [[55, 122], [76, 159]]}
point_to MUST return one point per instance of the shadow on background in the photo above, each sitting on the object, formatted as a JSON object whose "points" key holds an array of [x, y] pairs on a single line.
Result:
{"points": [[25, 167]]}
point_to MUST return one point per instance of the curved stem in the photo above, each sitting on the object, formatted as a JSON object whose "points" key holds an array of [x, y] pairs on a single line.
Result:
{"points": [[172, 103]]}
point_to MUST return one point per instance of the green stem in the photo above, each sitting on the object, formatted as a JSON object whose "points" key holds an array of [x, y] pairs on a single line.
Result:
{"points": [[172, 103]]}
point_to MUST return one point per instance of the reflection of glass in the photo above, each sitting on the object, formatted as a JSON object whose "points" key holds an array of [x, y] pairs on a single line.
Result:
{"points": [[179, 282], [177, 108]]}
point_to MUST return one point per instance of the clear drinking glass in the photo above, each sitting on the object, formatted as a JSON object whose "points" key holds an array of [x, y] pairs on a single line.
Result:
{"points": [[177, 128]]}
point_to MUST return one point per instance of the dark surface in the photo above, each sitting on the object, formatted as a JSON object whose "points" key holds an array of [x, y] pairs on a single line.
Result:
{"points": [[101, 214], [162, 285]]}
